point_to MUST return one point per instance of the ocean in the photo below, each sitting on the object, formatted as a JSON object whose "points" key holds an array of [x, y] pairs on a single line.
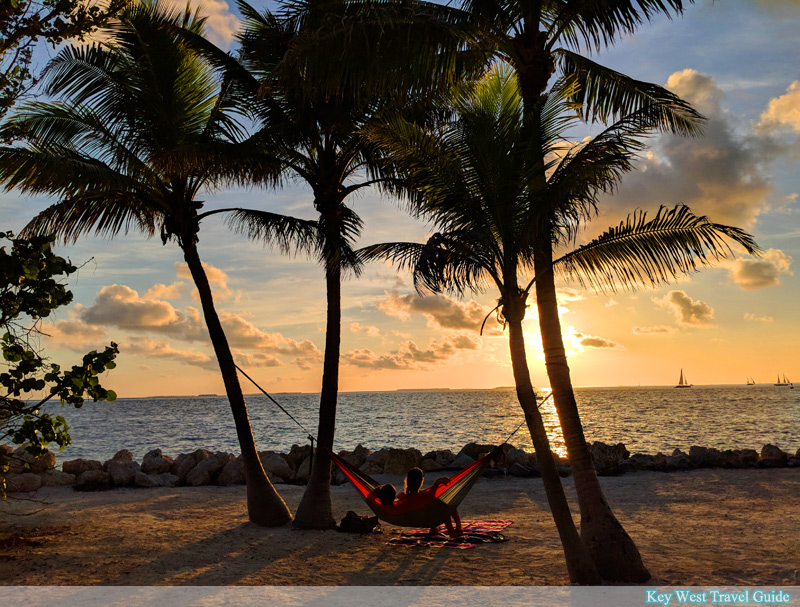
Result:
{"points": [[645, 419]]}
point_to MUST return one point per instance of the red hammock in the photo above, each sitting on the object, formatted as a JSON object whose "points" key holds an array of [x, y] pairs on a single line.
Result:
{"points": [[428, 508]]}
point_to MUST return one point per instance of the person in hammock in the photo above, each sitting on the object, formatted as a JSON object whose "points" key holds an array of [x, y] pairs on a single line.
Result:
{"points": [[413, 486]]}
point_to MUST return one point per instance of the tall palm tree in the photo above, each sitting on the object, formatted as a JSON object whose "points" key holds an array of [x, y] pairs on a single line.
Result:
{"points": [[140, 127], [473, 180]]}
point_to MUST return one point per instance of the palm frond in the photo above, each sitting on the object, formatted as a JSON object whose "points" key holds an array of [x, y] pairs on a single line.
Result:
{"points": [[639, 252], [287, 233]]}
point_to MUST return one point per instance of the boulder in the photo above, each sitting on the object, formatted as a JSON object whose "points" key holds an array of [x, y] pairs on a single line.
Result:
{"points": [[428, 465], [357, 457], [302, 473], [797, 455], [24, 482], [641, 461], [22, 461], [275, 464], [794, 462], [772, 457], [705, 457], [371, 468], [207, 469], [400, 461], [122, 456], [518, 456], [564, 470], [297, 455], [378, 457], [162, 479], [57, 478], [155, 462], [181, 466], [79, 466], [93, 480], [232, 473], [521, 470], [122, 473], [492, 472], [473, 450], [462, 461], [606, 458], [443, 457], [678, 461]]}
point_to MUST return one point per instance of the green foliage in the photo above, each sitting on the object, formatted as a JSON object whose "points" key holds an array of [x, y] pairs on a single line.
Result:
{"points": [[30, 290], [23, 23]]}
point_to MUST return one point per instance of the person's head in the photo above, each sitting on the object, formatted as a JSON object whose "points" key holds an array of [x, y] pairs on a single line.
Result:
{"points": [[386, 494], [414, 480]]}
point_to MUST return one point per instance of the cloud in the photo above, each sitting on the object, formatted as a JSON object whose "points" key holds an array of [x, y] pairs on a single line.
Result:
{"points": [[656, 330], [752, 274], [720, 174], [162, 291], [256, 359], [221, 25], [74, 334], [148, 348], [369, 330], [214, 275], [688, 312], [784, 110], [752, 317], [590, 341], [440, 311], [409, 355]]}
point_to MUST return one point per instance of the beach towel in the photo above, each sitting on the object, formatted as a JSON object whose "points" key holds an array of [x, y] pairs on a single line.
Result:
{"points": [[475, 533]]}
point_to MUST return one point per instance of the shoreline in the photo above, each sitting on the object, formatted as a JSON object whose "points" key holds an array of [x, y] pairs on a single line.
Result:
{"points": [[701, 527]]}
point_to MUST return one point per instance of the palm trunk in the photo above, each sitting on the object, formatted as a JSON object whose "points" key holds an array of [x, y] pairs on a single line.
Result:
{"points": [[580, 568], [315, 511], [612, 549], [264, 506]]}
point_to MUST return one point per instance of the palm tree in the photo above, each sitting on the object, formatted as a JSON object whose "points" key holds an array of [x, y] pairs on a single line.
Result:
{"points": [[141, 126], [473, 182]]}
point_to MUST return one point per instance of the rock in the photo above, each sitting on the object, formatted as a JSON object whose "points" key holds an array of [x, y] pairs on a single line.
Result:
{"points": [[79, 466], [378, 457], [155, 462], [207, 469], [400, 461], [22, 461], [302, 473], [492, 472], [122, 473], [473, 450], [564, 470], [232, 474], [705, 457], [93, 480], [162, 479], [182, 465], [518, 456], [521, 470], [794, 462], [678, 461], [297, 455], [57, 478], [606, 458], [772, 457], [357, 457], [797, 455], [462, 461], [23, 483], [428, 465], [275, 464], [443, 457], [123, 456], [371, 468], [338, 477]]}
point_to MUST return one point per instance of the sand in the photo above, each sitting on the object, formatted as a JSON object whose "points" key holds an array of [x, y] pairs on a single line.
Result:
{"points": [[704, 527]]}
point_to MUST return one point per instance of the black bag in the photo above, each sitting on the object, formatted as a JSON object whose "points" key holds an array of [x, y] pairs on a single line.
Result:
{"points": [[353, 523]]}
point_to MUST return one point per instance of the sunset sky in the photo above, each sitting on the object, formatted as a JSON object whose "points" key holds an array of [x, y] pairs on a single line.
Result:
{"points": [[735, 60]]}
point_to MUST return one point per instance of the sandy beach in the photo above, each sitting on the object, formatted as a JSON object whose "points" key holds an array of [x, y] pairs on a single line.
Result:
{"points": [[704, 527]]}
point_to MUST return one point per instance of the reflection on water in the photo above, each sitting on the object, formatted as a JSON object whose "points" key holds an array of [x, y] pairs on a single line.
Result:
{"points": [[645, 419]]}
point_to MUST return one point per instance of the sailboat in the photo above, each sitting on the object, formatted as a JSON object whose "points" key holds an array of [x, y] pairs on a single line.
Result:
{"points": [[682, 382], [784, 382], [750, 381]]}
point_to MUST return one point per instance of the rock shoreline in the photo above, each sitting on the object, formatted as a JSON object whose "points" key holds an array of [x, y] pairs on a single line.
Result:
{"points": [[203, 467]]}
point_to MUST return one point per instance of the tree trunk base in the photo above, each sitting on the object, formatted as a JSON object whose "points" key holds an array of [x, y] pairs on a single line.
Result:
{"points": [[314, 511], [613, 551], [264, 506]]}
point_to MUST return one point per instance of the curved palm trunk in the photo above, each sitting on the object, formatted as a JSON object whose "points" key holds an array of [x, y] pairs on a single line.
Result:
{"points": [[264, 506], [580, 567], [314, 511], [612, 549]]}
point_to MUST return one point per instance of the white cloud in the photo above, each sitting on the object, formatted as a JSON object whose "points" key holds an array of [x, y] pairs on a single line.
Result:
{"points": [[752, 274], [439, 310], [656, 330], [372, 331], [409, 355], [221, 25], [148, 348], [216, 278], [162, 291], [689, 313], [754, 318], [783, 111]]}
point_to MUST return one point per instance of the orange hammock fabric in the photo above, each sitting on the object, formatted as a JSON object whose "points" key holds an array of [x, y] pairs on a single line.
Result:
{"points": [[427, 508]]}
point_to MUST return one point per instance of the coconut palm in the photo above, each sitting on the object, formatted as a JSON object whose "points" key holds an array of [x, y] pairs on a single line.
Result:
{"points": [[140, 127], [474, 182]]}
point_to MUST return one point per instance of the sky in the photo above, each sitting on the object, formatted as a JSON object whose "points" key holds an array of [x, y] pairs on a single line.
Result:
{"points": [[734, 60]]}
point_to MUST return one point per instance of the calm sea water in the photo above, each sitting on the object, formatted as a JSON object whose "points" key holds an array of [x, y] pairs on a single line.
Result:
{"points": [[646, 419]]}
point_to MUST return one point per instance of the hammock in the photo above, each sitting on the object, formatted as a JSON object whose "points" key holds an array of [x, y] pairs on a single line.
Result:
{"points": [[427, 508]]}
